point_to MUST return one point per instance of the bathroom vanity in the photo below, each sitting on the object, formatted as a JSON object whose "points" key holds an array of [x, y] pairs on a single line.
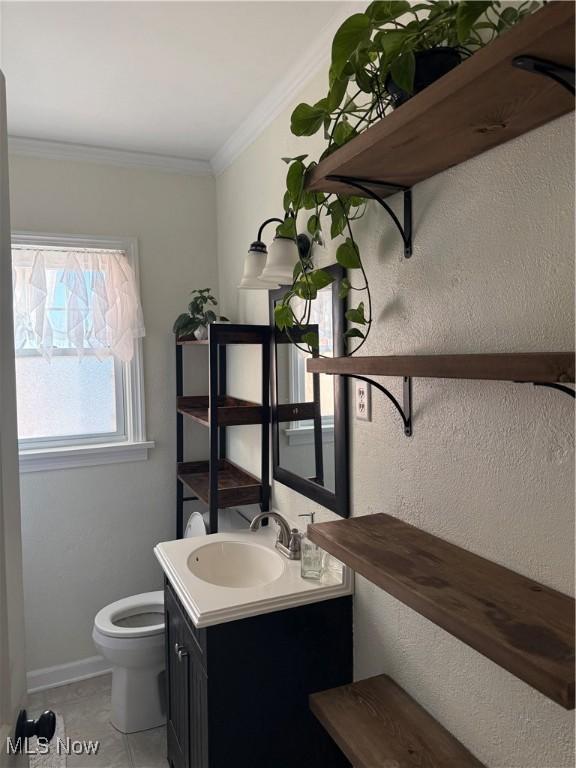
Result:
{"points": [[242, 660]]}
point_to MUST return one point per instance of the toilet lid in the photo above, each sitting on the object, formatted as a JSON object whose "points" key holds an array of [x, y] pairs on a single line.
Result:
{"points": [[136, 616], [196, 526]]}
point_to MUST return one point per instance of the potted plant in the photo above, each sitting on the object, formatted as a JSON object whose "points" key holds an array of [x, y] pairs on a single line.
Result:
{"points": [[195, 322], [380, 59]]}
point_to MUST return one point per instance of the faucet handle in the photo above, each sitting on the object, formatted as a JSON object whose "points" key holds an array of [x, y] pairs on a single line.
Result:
{"points": [[308, 514], [295, 544]]}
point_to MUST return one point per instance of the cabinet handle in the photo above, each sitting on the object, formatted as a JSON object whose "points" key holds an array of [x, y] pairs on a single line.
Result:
{"points": [[180, 651]]}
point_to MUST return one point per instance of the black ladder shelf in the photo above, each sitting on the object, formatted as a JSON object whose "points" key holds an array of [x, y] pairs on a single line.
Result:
{"points": [[218, 482]]}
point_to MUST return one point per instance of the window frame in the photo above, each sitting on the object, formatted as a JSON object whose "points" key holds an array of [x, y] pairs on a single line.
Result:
{"points": [[39, 454]]}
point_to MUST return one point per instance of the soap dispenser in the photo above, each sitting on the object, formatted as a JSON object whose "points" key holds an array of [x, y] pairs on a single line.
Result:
{"points": [[311, 556]]}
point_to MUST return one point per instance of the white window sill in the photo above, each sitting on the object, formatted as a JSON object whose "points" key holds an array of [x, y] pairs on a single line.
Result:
{"points": [[305, 435], [37, 460]]}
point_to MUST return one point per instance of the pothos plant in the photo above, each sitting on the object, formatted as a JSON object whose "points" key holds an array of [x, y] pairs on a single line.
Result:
{"points": [[199, 313], [371, 52]]}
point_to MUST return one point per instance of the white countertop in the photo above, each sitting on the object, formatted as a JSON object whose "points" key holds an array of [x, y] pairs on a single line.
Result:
{"points": [[208, 604]]}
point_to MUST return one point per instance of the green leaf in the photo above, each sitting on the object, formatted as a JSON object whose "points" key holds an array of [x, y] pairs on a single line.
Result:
{"points": [[305, 289], [287, 228], [313, 225], [295, 181], [287, 202], [381, 12], [467, 13], [283, 316], [336, 94], [356, 315], [289, 160], [402, 71], [209, 316], [311, 338], [338, 220], [364, 81], [353, 333], [343, 132], [347, 255], [390, 41], [297, 269], [344, 288], [306, 120], [320, 278], [308, 201], [351, 33], [181, 323]]}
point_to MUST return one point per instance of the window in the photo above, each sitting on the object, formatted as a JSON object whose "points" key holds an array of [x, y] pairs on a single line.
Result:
{"points": [[77, 329]]}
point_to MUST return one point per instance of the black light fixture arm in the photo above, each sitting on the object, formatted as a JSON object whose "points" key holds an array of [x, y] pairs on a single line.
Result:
{"points": [[265, 224], [406, 230], [406, 411]]}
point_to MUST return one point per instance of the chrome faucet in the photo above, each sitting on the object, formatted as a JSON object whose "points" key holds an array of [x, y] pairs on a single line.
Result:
{"points": [[289, 539]]}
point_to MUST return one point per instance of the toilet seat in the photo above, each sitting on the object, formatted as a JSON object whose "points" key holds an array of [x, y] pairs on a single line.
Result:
{"points": [[148, 602]]}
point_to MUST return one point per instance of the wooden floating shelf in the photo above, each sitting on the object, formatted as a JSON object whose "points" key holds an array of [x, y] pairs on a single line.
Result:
{"points": [[482, 103], [235, 485], [231, 411], [189, 340], [522, 625], [541, 367], [376, 723]]}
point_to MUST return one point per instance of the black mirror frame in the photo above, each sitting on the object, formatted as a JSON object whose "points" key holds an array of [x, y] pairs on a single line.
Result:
{"points": [[339, 500]]}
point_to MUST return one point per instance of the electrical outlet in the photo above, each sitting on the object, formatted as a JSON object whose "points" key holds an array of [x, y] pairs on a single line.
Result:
{"points": [[363, 401]]}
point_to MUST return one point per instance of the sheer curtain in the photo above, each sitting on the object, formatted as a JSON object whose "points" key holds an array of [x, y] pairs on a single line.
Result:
{"points": [[79, 299]]}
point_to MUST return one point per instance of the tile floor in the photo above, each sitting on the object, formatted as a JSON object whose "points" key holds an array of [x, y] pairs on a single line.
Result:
{"points": [[85, 707]]}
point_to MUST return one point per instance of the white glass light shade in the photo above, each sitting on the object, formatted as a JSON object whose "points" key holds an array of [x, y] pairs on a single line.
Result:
{"points": [[254, 263], [282, 258]]}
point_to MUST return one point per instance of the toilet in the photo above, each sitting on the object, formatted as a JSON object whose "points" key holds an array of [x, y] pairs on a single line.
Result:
{"points": [[130, 635]]}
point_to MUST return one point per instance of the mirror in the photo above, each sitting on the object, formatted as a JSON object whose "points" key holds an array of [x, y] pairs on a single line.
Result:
{"points": [[310, 411]]}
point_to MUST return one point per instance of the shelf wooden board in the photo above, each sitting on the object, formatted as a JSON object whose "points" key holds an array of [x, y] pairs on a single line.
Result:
{"points": [[482, 103], [190, 340], [231, 411], [522, 625], [235, 485], [542, 367], [376, 723]]}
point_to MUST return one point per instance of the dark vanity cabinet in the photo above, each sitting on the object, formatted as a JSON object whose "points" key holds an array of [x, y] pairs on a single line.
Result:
{"points": [[238, 692]]}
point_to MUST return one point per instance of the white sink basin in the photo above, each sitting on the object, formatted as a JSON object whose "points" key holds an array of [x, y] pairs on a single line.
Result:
{"points": [[236, 564]]}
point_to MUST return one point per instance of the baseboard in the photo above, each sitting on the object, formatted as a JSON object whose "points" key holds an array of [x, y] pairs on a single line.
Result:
{"points": [[52, 677]]}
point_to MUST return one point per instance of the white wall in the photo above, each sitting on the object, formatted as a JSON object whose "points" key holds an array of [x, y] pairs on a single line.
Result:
{"points": [[490, 466], [88, 533]]}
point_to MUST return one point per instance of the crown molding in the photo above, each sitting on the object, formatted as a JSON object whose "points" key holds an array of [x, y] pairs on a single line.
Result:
{"points": [[284, 92], [57, 150]]}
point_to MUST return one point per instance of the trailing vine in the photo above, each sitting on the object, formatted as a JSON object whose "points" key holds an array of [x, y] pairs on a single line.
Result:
{"points": [[373, 55]]}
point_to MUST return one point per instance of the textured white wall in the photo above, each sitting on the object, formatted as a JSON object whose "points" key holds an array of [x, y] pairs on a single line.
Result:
{"points": [[88, 533], [490, 466]]}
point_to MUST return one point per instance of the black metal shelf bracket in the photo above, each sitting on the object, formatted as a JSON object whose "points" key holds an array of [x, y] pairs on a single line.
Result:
{"points": [[564, 76], [558, 387], [406, 411], [361, 184]]}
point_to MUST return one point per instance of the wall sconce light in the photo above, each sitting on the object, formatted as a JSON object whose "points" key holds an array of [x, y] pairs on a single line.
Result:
{"points": [[267, 271]]}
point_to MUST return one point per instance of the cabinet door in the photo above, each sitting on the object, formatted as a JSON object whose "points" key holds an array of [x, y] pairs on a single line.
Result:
{"points": [[187, 691], [177, 682]]}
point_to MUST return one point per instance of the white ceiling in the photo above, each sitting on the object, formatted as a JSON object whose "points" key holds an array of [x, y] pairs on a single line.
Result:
{"points": [[172, 78]]}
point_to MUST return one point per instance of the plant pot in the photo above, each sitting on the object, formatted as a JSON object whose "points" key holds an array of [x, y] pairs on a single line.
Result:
{"points": [[201, 333], [431, 65]]}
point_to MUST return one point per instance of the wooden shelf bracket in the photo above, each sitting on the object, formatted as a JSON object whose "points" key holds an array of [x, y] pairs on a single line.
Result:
{"points": [[564, 76], [362, 185], [406, 411]]}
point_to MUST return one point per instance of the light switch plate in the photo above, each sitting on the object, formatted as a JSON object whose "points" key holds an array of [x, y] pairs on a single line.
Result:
{"points": [[363, 401]]}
